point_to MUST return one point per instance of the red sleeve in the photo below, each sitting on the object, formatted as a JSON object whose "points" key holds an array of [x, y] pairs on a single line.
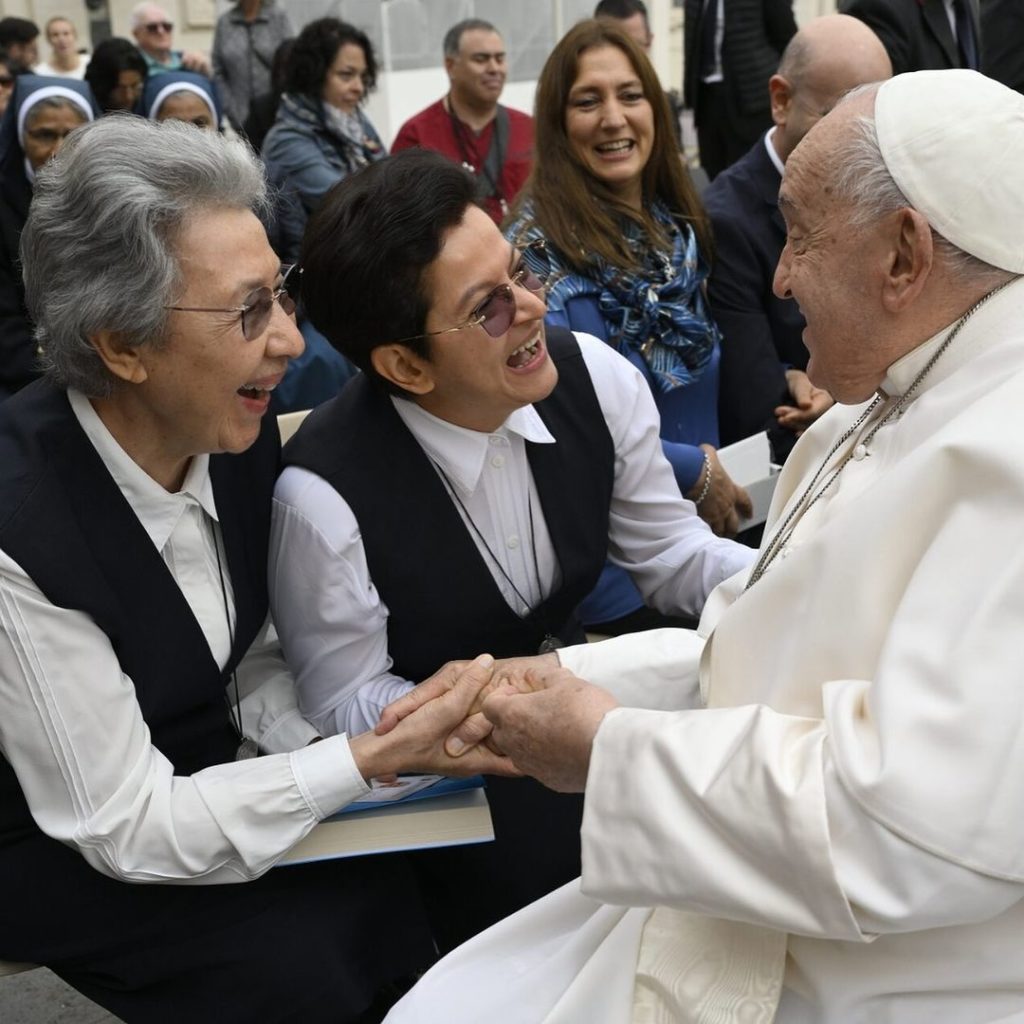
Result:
{"points": [[407, 137], [520, 154]]}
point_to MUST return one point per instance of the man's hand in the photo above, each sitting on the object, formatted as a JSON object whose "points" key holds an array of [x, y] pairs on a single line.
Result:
{"points": [[416, 743], [549, 733], [192, 60], [511, 675], [726, 503], [809, 403], [515, 673], [438, 684]]}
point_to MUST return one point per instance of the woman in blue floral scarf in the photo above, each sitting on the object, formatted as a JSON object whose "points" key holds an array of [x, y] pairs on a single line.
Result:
{"points": [[626, 257]]}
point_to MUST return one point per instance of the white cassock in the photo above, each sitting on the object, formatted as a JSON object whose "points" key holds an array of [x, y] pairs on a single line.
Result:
{"points": [[844, 824]]}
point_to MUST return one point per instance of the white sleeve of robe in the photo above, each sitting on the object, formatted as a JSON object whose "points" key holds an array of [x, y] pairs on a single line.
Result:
{"points": [[816, 826]]}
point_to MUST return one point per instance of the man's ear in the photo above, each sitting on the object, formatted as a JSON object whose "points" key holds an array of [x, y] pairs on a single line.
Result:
{"points": [[781, 95], [404, 368], [910, 260], [124, 361]]}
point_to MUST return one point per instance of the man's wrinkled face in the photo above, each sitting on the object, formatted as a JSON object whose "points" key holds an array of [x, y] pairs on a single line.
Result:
{"points": [[154, 33], [830, 266]]}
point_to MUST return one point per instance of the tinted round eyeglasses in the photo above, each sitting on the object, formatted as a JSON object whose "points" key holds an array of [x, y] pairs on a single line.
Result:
{"points": [[496, 311], [255, 311]]}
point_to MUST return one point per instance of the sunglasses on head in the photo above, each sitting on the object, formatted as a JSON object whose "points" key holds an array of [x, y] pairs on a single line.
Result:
{"points": [[159, 26], [497, 310], [259, 304]]}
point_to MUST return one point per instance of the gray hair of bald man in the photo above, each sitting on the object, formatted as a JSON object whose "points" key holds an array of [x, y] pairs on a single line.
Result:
{"points": [[99, 247], [139, 11], [453, 37], [863, 180]]}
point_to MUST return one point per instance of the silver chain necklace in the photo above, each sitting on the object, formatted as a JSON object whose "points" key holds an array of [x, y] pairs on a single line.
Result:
{"points": [[782, 536]]}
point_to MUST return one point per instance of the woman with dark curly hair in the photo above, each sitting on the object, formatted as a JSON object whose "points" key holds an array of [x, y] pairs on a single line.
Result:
{"points": [[320, 135], [116, 74]]}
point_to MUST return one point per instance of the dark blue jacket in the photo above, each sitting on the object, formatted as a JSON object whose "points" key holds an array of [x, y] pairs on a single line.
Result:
{"points": [[761, 334]]}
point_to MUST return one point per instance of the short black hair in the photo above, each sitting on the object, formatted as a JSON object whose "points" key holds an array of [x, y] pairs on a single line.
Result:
{"points": [[109, 59], [315, 50], [366, 248], [17, 30], [621, 9]]}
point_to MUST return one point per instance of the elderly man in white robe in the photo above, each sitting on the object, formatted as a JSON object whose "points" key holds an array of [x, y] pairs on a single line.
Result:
{"points": [[833, 832]]}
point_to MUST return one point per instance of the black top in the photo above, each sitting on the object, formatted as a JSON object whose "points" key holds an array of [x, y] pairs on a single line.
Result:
{"points": [[442, 601], [916, 33], [761, 333], [67, 524], [755, 34]]}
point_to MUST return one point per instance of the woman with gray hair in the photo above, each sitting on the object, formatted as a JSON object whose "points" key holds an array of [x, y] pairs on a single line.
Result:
{"points": [[135, 490]]}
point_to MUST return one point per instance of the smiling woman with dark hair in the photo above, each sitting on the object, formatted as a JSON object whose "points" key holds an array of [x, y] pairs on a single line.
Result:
{"points": [[139, 672], [627, 246]]}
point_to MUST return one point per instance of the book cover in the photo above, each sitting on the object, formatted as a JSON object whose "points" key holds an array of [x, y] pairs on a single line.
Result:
{"points": [[451, 812]]}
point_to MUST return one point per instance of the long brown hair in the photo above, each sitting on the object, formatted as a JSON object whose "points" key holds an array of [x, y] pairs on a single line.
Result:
{"points": [[577, 212]]}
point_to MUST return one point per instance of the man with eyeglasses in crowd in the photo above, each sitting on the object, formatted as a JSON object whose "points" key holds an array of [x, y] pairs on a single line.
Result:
{"points": [[462, 493], [153, 31]]}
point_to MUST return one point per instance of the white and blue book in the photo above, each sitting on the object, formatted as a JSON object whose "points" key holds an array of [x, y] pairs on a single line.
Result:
{"points": [[420, 812]]}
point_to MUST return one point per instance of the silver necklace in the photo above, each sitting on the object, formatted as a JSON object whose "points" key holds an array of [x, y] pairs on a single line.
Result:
{"points": [[551, 641], [782, 536]]}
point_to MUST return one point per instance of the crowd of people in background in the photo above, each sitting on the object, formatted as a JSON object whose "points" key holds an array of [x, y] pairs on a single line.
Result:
{"points": [[300, 101], [562, 461]]}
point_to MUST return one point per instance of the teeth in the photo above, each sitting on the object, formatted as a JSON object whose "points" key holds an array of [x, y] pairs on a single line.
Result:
{"points": [[530, 346], [256, 387], [614, 147]]}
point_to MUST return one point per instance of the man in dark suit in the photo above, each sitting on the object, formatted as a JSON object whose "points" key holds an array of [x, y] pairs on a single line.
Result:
{"points": [[763, 384], [922, 35], [1002, 29], [631, 17], [731, 49]]}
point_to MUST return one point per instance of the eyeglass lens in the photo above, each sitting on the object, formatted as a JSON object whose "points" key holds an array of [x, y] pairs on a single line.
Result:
{"points": [[259, 305], [157, 26], [496, 313]]}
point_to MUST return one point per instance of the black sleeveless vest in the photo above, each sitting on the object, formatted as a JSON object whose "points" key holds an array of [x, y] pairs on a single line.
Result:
{"points": [[442, 601], [66, 522]]}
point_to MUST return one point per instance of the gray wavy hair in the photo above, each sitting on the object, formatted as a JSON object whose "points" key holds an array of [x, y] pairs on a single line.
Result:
{"points": [[98, 249], [863, 180]]}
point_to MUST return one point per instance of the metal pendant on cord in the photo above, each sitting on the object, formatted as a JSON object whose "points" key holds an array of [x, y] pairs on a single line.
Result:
{"points": [[551, 641]]}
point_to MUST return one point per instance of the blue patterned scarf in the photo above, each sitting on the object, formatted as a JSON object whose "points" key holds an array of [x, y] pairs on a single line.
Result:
{"points": [[658, 310]]}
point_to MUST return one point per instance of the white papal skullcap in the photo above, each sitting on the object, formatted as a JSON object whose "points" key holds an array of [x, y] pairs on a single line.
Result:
{"points": [[954, 143]]}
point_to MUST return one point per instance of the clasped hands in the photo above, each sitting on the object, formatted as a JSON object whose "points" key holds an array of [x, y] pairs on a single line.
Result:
{"points": [[510, 717]]}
